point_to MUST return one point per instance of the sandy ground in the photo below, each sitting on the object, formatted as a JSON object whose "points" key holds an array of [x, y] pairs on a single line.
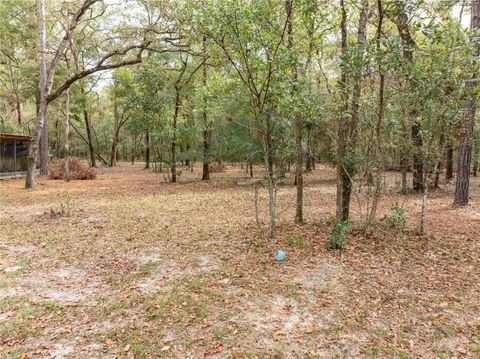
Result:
{"points": [[128, 266]]}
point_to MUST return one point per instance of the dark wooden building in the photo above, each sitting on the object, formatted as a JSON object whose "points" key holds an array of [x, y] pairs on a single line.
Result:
{"points": [[13, 154]]}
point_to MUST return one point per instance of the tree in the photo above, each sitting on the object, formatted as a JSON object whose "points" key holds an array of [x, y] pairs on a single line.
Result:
{"points": [[250, 36], [349, 117], [109, 60], [468, 119]]}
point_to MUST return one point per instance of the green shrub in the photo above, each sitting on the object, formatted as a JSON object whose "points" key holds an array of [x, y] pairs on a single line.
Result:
{"points": [[398, 218], [337, 238], [295, 241]]}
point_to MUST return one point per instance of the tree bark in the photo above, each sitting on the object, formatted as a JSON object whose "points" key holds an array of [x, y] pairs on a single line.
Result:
{"points": [[476, 158], [207, 132], [42, 104], [402, 22], [378, 125], [116, 136], [298, 120], [343, 117], [86, 118], [418, 169], [66, 174], [134, 149], [449, 162], [44, 148], [113, 152], [439, 166], [174, 140], [468, 122], [310, 158], [19, 111], [147, 149], [349, 132]]}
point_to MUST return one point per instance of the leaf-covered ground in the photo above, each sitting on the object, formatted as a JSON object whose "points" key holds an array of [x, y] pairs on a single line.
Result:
{"points": [[128, 266]]}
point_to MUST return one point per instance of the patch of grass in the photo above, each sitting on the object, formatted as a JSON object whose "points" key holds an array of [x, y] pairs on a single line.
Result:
{"points": [[219, 333], [23, 262], [134, 337], [475, 348], [22, 324], [296, 241], [440, 352], [259, 249], [10, 301]]}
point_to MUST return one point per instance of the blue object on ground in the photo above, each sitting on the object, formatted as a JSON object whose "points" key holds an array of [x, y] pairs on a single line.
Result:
{"points": [[280, 255]]}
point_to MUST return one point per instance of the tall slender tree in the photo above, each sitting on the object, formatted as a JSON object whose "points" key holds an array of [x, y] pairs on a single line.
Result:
{"points": [[464, 159]]}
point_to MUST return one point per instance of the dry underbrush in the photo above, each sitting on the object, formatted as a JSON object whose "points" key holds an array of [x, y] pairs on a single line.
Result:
{"points": [[78, 169]]}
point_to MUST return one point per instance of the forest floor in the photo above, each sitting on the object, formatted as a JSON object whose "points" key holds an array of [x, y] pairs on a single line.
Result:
{"points": [[129, 266]]}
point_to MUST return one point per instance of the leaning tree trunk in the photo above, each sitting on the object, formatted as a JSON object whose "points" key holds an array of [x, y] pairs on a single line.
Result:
{"points": [[468, 122], [42, 104], [88, 128]]}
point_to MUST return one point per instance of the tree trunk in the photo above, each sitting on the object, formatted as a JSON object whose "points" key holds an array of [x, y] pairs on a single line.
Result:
{"points": [[19, 111], [44, 148], [270, 181], [310, 158], [476, 158], [439, 166], [402, 22], [147, 149], [42, 104], [207, 132], [347, 164], [91, 151], [378, 125], [404, 169], [298, 121], [299, 169], [417, 158], [343, 118], [468, 122], [134, 149], [66, 174], [219, 150], [114, 151], [174, 140], [449, 162], [116, 140], [56, 143]]}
